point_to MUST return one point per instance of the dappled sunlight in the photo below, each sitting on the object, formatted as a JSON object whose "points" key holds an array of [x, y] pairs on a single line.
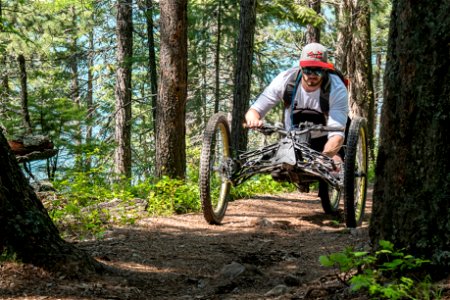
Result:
{"points": [[275, 238]]}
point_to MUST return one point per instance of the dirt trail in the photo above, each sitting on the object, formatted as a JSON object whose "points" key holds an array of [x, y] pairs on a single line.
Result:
{"points": [[267, 248]]}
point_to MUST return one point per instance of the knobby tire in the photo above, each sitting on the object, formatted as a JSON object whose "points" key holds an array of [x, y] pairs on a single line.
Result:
{"points": [[214, 186], [355, 173], [329, 197]]}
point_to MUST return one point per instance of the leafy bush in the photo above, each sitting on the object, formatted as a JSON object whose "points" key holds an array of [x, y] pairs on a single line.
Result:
{"points": [[169, 196], [384, 274], [261, 184], [76, 211], [6, 255], [76, 208]]}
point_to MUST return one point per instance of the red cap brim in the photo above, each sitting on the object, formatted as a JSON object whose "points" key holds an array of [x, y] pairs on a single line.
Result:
{"points": [[317, 64]]}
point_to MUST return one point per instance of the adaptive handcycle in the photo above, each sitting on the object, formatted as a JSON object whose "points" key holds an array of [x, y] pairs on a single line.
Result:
{"points": [[290, 156]]}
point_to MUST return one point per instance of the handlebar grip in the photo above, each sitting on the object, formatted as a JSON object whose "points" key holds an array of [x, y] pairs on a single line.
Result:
{"points": [[329, 128]]}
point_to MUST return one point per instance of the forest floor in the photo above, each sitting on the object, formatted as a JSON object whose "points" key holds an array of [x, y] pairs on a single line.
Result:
{"points": [[268, 247]]}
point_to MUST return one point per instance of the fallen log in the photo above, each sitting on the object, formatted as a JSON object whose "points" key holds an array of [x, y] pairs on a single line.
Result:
{"points": [[31, 148]]}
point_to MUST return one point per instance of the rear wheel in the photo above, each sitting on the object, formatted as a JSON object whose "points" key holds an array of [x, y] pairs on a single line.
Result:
{"points": [[329, 197], [214, 167], [355, 173]]}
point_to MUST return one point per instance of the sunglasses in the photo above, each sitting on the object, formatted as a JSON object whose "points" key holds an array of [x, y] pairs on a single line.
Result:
{"points": [[310, 71]]}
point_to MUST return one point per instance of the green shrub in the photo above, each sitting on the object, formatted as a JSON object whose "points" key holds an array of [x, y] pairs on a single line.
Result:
{"points": [[384, 274], [169, 196], [6, 255], [260, 184], [75, 209]]}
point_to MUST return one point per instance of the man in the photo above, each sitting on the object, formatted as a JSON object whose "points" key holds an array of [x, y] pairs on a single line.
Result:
{"points": [[318, 96]]}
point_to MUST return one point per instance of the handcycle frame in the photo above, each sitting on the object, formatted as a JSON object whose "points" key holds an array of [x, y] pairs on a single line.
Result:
{"points": [[291, 156]]}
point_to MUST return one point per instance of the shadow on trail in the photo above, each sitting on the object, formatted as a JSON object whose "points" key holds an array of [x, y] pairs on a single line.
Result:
{"points": [[181, 257], [287, 200]]}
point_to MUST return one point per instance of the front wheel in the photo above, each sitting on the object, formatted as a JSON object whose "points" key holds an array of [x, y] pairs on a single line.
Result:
{"points": [[214, 168], [355, 173]]}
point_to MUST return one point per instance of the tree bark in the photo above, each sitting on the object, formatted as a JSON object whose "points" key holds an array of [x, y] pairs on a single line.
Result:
{"points": [[26, 120], [363, 101], [90, 99], [171, 106], [411, 201], [122, 157], [343, 45], [313, 32], [28, 231], [378, 95], [243, 73], [354, 56], [4, 80], [151, 59], [217, 57], [75, 88]]}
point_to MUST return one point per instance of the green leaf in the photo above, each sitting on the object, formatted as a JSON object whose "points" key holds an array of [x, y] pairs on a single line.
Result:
{"points": [[325, 261], [393, 264], [386, 245], [360, 253]]}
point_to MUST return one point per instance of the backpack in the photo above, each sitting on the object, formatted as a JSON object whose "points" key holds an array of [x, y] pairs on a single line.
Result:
{"points": [[294, 81]]}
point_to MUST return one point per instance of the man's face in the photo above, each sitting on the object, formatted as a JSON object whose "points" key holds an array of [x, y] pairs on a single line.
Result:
{"points": [[312, 76]]}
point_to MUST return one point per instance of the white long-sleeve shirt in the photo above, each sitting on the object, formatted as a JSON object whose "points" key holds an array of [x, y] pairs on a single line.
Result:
{"points": [[273, 93]]}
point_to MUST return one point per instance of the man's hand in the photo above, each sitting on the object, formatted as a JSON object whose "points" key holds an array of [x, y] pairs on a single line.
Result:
{"points": [[337, 163], [331, 149], [253, 119]]}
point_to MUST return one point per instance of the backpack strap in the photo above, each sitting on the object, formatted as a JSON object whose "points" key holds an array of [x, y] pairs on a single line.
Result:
{"points": [[291, 87], [325, 89], [294, 91]]}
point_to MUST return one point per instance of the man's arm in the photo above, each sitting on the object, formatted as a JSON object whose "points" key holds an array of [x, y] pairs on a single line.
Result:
{"points": [[333, 145], [338, 106], [331, 149], [338, 117], [271, 96]]}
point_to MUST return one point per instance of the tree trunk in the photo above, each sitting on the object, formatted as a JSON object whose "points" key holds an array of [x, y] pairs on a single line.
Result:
{"points": [[26, 121], [28, 231], [378, 94], [90, 98], [354, 56], [344, 35], [411, 201], [171, 106], [75, 89], [151, 59], [217, 56], [243, 73], [4, 79], [362, 102], [122, 158], [313, 32]]}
